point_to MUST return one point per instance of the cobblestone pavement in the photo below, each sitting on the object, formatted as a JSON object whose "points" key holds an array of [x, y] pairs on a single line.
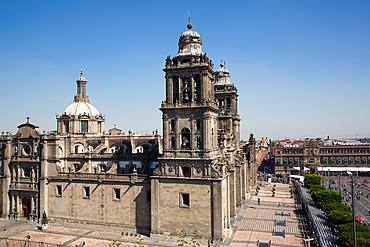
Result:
{"points": [[278, 219]]}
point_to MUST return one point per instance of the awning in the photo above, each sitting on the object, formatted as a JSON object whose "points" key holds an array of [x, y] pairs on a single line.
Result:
{"points": [[296, 160], [311, 160], [290, 160], [278, 161], [345, 160], [363, 159], [325, 160], [343, 169], [285, 160], [339, 160], [297, 169]]}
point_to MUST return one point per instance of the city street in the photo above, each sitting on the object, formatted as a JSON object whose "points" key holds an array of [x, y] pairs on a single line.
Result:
{"points": [[361, 191]]}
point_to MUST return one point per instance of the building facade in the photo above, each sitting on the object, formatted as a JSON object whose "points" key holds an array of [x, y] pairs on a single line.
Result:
{"points": [[192, 178], [315, 154]]}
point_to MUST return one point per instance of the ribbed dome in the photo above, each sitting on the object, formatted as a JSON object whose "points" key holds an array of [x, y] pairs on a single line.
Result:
{"points": [[222, 76], [81, 108], [190, 43]]}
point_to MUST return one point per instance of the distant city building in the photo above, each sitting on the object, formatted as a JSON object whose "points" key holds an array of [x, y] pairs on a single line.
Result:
{"points": [[194, 177], [316, 154]]}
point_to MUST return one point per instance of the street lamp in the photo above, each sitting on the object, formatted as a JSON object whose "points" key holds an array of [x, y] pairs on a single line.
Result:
{"points": [[353, 208]]}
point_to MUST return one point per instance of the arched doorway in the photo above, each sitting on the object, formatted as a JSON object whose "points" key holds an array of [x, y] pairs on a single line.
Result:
{"points": [[26, 207]]}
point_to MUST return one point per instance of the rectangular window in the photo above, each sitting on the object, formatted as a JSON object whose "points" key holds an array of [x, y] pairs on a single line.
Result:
{"points": [[84, 126], [184, 200], [27, 172], [58, 190], [148, 196], [66, 126], [116, 194], [86, 192]]}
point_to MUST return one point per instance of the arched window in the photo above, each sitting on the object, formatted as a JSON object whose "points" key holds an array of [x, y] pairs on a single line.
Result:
{"points": [[185, 138]]}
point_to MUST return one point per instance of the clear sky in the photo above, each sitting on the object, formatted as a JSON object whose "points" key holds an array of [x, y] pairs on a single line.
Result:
{"points": [[302, 68]]}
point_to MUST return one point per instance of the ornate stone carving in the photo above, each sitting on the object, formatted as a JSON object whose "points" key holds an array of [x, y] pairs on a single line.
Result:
{"points": [[157, 171]]}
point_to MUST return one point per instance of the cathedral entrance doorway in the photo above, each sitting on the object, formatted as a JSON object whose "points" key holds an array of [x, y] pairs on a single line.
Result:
{"points": [[26, 207]]}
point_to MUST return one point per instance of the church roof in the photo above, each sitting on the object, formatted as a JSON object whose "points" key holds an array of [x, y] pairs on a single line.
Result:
{"points": [[81, 104], [190, 43], [222, 76], [81, 108]]}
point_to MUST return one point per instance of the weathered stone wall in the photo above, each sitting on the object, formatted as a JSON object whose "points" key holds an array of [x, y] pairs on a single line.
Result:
{"points": [[170, 216], [131, 210]]}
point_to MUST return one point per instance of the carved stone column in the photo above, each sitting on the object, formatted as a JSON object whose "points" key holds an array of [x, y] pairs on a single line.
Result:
{"points": [[18, 207], [32, 204], [11, 213], [18, 175], [192, 99]]}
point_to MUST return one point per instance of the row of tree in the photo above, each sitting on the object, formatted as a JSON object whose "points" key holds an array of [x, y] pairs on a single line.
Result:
{"points": [[338, 214]]}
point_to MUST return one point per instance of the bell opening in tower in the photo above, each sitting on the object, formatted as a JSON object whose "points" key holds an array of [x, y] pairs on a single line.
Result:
{"points": [[185, 137]]}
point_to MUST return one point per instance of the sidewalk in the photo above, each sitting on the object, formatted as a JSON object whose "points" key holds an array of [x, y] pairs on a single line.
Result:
{"points": [[264, 223]]}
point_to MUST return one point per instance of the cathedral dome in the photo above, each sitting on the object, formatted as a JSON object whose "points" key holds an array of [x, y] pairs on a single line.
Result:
{"points": [[222, 76], [81, 104], [81, 108], [190, 43]]}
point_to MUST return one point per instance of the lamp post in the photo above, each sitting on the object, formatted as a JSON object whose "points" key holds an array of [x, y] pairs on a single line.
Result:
{"points": [[339, 188], [353, 209]]}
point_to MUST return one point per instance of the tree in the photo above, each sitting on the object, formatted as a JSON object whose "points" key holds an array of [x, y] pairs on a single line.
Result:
{"points": [[348, 227], [115, 243], [314, 188], [338, 217], [336, 206], [345, 239], [323, 197], [312, 179]]}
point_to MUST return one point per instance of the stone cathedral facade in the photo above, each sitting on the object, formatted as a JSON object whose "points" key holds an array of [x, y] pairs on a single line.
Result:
{"points": [[193, 177]]}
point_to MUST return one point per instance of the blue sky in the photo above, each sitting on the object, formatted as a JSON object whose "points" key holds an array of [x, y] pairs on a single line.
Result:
{"points": [[302, 68]]}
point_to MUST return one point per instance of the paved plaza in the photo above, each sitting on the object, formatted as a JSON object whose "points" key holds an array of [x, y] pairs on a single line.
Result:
{"points": [[277, 219]]}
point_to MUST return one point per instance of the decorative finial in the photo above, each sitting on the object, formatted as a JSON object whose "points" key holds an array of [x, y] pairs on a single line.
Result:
{"points": [[222, 65], [114, 125], [189, 25], [82, 73], [28, 119]]}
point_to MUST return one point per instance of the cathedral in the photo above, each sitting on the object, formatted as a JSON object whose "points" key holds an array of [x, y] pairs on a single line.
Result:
{"points": [[193, 177]]}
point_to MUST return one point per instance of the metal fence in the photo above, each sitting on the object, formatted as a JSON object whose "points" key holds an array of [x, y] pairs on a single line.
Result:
{"points": [[27, 243]]}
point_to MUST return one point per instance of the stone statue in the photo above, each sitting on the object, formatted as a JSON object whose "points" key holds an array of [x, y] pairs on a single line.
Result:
{"points": [[44, 221]]}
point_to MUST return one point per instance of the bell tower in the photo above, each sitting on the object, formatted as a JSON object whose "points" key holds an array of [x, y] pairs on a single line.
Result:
{"points": [[191, 179], [189, 112]]}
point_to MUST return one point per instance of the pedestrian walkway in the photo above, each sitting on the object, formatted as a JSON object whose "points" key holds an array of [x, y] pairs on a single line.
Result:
{"points": [[277, 219]]}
